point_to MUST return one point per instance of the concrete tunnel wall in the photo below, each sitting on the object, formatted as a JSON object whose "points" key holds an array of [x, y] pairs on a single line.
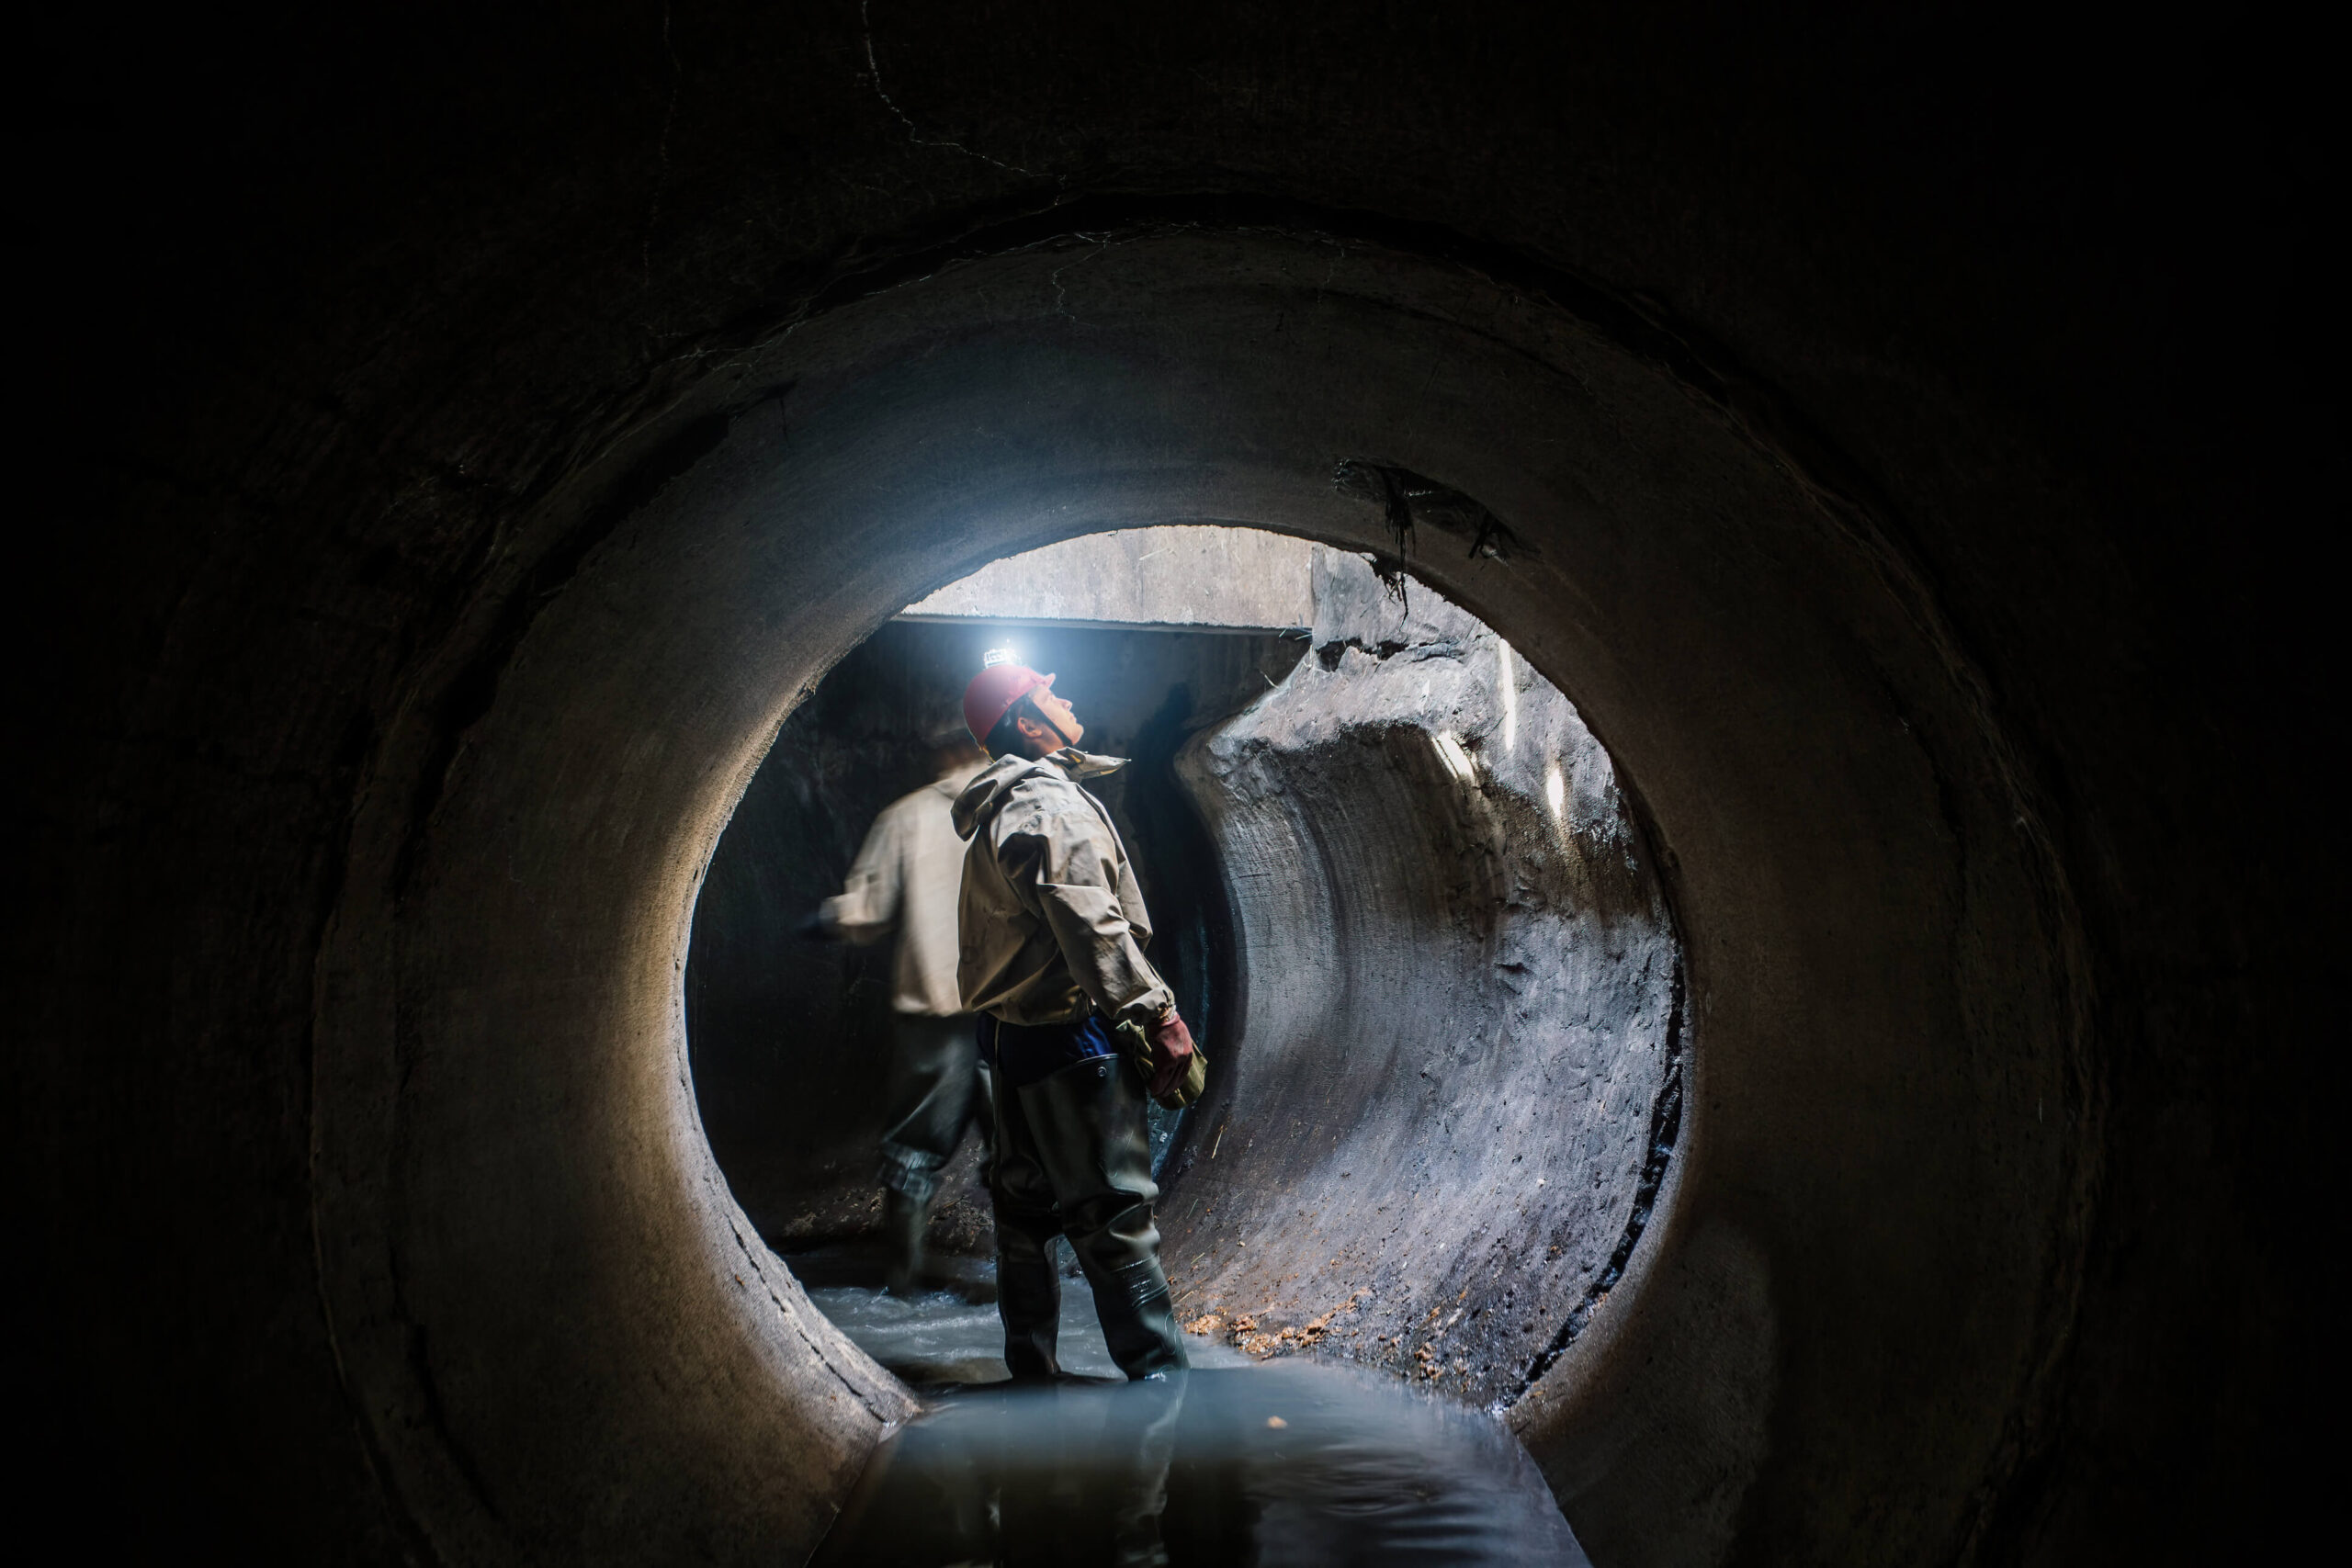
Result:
{"points": [[1451, 1105], [507, 1136], [472, 457]]}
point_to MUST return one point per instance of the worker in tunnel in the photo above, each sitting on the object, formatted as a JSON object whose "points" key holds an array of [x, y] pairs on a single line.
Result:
{"points": [[905, 880], [1052, 927]]}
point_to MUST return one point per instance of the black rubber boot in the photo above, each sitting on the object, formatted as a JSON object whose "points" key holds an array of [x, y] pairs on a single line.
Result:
{"points": [[1087, 1124], [904, 1222], [1028, 1286], [1142, 1333], [1029, 1301]]}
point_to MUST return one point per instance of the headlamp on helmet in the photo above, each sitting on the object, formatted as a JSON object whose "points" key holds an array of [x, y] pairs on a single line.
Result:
{"points": [[994, 691]]}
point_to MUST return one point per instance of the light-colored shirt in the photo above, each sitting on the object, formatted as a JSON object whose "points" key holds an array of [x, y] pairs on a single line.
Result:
{"points": [[906, 879]]}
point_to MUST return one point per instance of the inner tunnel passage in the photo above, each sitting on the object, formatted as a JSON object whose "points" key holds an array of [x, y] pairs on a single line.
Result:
{"points": [[1401, 898]]}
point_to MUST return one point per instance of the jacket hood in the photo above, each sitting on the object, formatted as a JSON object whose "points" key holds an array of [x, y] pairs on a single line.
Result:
{"points": [[985, 795]]}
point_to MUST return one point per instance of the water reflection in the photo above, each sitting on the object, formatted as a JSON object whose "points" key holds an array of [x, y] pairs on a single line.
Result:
{"points": [[1285, 1463]]}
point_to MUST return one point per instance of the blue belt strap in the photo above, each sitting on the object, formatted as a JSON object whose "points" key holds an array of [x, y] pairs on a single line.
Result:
{"points": [[1022, 1053]]}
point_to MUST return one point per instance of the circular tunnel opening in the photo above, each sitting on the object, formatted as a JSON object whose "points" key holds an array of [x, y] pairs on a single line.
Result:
{"points": [[1877, 945], [1395, 888]]}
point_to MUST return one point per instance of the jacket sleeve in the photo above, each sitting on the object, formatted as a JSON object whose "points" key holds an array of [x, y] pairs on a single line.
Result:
{"points": [[1067, 862], [866, 908]]}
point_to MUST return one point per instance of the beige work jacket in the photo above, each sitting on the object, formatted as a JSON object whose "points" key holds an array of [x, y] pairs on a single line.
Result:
{"points": [[905, 880], [1052, 923]]}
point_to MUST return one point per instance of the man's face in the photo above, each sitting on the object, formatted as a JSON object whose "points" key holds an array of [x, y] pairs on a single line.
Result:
{"points": [[1057, 711]]}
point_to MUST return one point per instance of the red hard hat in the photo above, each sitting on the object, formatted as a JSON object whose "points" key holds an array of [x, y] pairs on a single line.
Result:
{"points": [[994, 689]]}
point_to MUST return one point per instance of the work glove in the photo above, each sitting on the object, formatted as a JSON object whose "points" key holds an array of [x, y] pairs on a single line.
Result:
{"points": [[1178, 1071]]}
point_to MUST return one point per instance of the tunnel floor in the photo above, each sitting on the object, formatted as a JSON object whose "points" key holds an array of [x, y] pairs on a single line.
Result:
{"points": [[949, 1337], [1289, 1463]]}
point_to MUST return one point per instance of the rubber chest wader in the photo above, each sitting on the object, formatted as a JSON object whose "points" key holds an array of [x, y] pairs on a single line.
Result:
{"points": [[936, 1091], [1072, 1156]]}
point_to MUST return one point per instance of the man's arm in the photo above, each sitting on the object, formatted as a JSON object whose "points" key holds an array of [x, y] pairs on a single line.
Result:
{"points": [[1067, 862], [866, 908]]}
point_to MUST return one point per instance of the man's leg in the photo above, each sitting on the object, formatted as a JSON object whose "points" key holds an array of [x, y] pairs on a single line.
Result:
{"points": [[983, 1101], [1087, 1124], [931, 1091], [1028, 1290]]}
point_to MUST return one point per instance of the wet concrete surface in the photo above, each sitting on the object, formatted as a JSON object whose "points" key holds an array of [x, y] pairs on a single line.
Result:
{"points": [[949, 1337], [1233, 1462], [1289, 1463]]}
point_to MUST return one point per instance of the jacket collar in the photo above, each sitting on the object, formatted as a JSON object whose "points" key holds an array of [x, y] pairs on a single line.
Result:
{"points": [[988, 787], [1080, 764]]}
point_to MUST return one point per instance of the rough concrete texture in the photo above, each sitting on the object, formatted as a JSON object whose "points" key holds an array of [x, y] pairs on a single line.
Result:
{"points": [[1186, 575], [1461, 1039], [459, 435]]}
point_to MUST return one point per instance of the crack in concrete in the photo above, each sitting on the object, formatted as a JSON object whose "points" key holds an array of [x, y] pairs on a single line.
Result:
{"points": [[914, 134], [1666, 1126], [1061, 296], [791, 1316]]}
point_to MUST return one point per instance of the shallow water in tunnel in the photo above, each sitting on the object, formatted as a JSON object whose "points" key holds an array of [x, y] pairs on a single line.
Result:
{"points": [[951, 1337], [1239, 1462], [1292, 1464]]}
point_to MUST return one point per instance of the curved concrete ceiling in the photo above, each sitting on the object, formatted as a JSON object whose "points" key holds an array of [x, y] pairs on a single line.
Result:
{"points": [[527, 441], [1182, 575]]}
